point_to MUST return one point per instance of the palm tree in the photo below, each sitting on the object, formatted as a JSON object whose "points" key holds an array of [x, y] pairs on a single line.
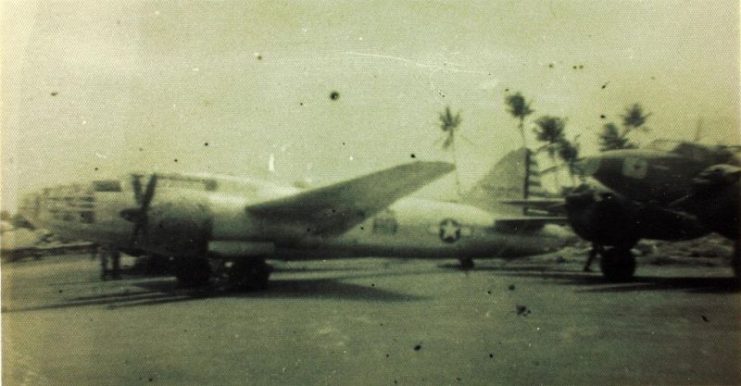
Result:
{"points": [[520, 109], [568, 151], [634, 118], [550, 130], [449, 124], [612, 138]]}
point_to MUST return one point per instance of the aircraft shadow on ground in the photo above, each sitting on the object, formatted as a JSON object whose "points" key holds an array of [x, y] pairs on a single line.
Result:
{"points": [[166, 290], [637, 284], [540, 267], [327, 289]]}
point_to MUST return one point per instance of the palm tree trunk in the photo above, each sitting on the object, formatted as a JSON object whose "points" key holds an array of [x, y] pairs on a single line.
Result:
{"points": [[521, 126], [556, 172], [571, 174], [455, 162]]}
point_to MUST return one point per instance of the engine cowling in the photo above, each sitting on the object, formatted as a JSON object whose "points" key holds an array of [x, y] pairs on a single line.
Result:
{"points": [[715, 199], [602, 217], [609, 219], [179, 228]]}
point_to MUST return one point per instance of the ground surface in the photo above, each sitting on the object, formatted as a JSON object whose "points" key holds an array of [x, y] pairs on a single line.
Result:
{"points": [[374, 322]]}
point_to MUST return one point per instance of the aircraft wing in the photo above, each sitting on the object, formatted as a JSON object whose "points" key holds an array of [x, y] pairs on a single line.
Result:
{"points": [[551, 205], [335, 208]]}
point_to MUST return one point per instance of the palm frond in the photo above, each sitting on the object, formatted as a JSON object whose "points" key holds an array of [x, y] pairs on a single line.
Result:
{"points": [[634, 117], [518, 106]]}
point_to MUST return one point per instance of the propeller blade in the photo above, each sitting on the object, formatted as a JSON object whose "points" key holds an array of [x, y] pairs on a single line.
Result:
{"points": [[149, 193], [136, 184], [137, 228], [139, 216]]}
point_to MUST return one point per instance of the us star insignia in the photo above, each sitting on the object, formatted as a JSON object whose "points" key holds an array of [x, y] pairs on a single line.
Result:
{"points": [[450, 230]]}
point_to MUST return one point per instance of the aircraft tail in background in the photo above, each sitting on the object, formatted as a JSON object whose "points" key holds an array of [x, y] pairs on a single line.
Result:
{"points": [[516, 176], [531, 185]]}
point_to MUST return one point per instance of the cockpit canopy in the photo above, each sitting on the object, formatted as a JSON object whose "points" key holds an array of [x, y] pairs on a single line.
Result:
{"points": [[180, 181], [694, 151]]}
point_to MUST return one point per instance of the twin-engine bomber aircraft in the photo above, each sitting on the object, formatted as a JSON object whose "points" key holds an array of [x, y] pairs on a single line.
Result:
{"points": [[670, 190], [224, 228]]}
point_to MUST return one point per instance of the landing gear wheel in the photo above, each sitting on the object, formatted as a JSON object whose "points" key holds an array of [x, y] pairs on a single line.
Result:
{"points": [[466, 263], [192, 272], [249, 274], [618, 264], [736, 262]]}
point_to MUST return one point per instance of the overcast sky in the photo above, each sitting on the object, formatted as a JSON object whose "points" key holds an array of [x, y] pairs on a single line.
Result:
{"points": [[219, 86]]}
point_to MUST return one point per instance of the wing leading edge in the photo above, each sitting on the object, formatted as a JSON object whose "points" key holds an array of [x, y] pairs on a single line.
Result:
{"points": [[335, 208]]}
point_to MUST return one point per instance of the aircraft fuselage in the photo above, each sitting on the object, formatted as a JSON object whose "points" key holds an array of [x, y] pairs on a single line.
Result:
{"points": [[195, 222]]}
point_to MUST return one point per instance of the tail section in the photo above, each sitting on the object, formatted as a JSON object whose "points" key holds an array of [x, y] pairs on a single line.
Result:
{"points": [[515, 176], [532, 187]]}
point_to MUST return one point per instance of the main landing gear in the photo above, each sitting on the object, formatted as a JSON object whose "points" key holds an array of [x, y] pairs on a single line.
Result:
{"points": [[736, 261], [192, 271], [618, 264], [242, 274], [247, 274]]}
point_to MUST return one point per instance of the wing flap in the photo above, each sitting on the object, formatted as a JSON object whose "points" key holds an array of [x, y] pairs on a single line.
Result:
{"points": [[335, 208]]}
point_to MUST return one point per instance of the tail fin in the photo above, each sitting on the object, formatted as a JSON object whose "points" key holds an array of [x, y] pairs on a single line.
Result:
{"points": [[514, 176], [532, 187]]}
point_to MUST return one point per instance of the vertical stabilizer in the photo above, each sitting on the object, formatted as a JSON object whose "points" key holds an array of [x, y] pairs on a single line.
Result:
{"points": [[514, 176], [532, 187]]}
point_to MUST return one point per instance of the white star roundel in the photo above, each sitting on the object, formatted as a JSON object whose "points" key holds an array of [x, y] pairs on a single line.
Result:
{"points": [[635, 167], [450, 230]]}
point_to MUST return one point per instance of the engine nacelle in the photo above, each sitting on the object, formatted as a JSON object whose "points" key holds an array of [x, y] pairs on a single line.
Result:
{"points": [[602, 217], [236, 249], [608, 219], [178, 228]]}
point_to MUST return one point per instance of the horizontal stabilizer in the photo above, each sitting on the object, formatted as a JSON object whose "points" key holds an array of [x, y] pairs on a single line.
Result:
{"points": [[515, 176], [335, 208], [527, 223], [550, 205]]}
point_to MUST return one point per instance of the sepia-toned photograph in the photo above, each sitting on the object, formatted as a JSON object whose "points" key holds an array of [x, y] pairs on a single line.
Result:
{"points": [[370, 193]]}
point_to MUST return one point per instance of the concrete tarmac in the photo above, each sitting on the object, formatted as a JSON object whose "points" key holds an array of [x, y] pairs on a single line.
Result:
{"points": [[374, 322]]}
